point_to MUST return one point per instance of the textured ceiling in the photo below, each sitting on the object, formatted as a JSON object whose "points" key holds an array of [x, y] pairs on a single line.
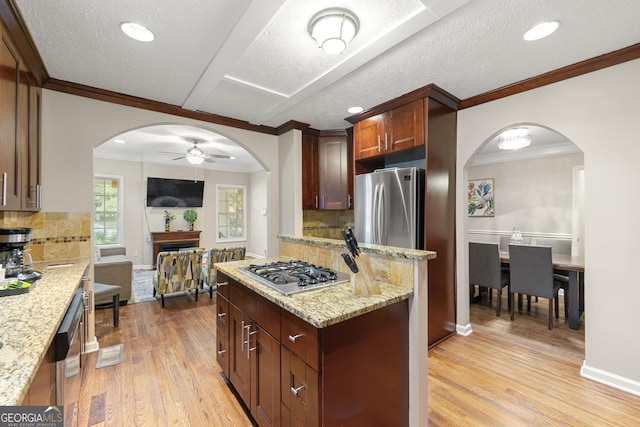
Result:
{"points": [[254, 61]]}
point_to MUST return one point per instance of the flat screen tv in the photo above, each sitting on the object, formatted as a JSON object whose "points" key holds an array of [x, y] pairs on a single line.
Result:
{"points": [[174, 193]]}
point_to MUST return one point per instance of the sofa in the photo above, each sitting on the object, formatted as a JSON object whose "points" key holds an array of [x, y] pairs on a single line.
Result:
{"points": [[113, 268]]}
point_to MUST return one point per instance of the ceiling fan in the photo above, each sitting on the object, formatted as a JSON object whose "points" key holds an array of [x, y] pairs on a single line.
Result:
{"points": [[195, 155]]}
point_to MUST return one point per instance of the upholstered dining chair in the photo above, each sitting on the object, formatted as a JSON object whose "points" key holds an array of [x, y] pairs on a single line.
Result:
{"points": [[485, 269], [531, 274], [178, 271], [220, 255]]}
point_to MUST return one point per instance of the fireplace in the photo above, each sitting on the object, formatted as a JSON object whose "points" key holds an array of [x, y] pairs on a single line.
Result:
{"points": [[173, 241]]}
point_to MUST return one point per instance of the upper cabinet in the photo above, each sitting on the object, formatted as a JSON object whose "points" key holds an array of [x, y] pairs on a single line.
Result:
{"points": [[393, 130], [19, 131], [327, 172]]}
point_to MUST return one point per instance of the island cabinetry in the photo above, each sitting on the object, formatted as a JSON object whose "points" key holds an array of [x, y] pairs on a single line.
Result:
{"points": [[398, 129], [292, 373], [253, 348]]}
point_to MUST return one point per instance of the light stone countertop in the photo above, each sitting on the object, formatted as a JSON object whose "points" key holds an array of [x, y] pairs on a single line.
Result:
{"points": [[389, 251], [28, 325], [321, 307]]}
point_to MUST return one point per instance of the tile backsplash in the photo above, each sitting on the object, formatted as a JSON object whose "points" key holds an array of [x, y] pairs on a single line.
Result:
{"points": [[325, 223], [54, 235]]}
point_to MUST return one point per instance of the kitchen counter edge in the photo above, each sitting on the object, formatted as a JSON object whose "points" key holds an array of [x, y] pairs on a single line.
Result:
{"points": [[390, 251], [35, 317]]}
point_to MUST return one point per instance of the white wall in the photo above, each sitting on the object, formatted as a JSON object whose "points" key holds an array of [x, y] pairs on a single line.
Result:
{"points": [[597, 112], [72, 126], [140, 220], [534, 194]]}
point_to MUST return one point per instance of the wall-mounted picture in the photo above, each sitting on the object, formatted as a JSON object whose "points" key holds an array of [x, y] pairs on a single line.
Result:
{"points": [[480, 197]]}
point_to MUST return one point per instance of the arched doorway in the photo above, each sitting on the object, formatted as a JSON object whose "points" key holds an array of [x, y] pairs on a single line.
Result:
{"points": [[538, 188]]}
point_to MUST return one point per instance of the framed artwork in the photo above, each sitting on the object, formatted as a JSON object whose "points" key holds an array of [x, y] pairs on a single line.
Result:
{"points": [[480, 197]]}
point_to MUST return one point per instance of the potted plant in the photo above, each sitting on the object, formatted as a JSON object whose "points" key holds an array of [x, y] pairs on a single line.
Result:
{"points": [[190, 216], [168, 217]]}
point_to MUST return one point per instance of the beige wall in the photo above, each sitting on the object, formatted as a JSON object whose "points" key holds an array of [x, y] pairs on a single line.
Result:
{"points": [[597, 112], [72, 126]]}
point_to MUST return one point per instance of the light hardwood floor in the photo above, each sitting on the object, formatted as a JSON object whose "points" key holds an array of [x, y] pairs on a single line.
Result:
{"points": [[504, 374]]}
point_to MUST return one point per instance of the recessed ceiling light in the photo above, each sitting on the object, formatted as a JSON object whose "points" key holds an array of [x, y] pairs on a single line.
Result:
{"points": [[119, 141], [355, 110], [137, 31], [541, 30]]}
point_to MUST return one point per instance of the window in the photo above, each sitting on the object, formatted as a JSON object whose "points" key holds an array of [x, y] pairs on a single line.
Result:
{"points": [[230, 204], [106, 210]]}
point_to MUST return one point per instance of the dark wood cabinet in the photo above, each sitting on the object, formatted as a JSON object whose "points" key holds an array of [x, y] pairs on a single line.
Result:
{"points": [[19, 131], [327, 170], [421, 126], [310, 189], [394, 130], [9, 135], [290, 373]]}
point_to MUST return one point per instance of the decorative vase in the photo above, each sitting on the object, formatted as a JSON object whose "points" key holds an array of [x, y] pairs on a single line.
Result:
{"points": [[191, 226], [167, 225]]}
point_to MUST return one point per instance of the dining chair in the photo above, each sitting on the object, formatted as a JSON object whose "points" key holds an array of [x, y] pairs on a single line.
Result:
{"points": [[505, 239], [485, 269], [531, 274]]}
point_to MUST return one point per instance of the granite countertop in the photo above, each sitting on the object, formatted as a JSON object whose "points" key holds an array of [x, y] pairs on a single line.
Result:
{"points": [[29, 323], [322, 307], [390, 251]]}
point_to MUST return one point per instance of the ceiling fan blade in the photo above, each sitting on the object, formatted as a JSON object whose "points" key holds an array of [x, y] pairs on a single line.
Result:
{"points": [[170, 153], [219, 156], [179, 158], [209, 160]]}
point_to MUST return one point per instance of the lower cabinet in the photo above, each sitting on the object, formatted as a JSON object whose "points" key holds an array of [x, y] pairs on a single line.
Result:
{"points": [[289, 373]]}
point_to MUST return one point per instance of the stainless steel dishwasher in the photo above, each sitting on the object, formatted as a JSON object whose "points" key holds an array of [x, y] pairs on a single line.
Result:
{"points": [[69, 356]]}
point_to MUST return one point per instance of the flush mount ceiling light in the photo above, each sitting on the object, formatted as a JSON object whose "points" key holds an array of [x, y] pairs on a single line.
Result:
{"points": [[541, 30], [513, 139], [195, 156], [137, 31], [333, 29], [355, 110]]}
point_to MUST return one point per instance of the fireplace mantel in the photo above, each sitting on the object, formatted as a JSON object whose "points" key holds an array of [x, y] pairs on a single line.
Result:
{"points": [[180, 238]]}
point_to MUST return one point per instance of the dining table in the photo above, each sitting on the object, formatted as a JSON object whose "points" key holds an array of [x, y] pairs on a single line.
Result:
{"points": [[574, 267]]}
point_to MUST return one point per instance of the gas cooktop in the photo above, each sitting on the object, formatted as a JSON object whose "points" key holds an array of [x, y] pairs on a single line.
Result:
{"points": [[290, 277]]}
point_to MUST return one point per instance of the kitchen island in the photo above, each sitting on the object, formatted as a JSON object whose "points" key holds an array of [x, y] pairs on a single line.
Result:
{"points": [[326, 356], [29, 323]]}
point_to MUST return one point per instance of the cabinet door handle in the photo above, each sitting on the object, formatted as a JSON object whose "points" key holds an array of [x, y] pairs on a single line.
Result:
{"points": [[349, 202], [221, 318], [295, 391], [4, 189], [293, 338], [242, 338], [38, 196], [316, 201], [378, 143], [221, 352], [250, 349], [386, 147], [248, 327]]}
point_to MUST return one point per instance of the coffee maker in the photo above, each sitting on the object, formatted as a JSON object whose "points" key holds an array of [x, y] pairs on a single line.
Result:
{"points": [[13, 257]]}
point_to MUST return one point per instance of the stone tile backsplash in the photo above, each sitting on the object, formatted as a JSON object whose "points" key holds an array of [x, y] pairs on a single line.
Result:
{"points": [[54, 235], [327, 224]]}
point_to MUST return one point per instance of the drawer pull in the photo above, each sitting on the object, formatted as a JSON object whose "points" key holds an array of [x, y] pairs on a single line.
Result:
{"points": [[221, 352], [293, 338], [221, 317], [295, 391]]}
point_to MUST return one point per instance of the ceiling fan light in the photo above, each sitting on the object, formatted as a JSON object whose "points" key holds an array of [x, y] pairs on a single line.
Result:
{"points": [[195, 156], [333, 29], [541, 30], [514, 139]]}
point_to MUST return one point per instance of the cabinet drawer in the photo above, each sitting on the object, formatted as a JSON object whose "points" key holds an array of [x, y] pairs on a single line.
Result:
{"points": [[299, 391], [222, 350], [223, 285], [268, 316], [301, 338], [222, 315], [243, 299]]}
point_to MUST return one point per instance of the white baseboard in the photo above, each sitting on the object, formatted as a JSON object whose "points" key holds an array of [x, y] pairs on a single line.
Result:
{"points": [[91, 346], [252, 255], [142, 267], [612, 380], [464, 330]]}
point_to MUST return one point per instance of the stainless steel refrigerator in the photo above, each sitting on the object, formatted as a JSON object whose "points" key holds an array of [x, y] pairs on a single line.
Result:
{"points": [[389, 207]]}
